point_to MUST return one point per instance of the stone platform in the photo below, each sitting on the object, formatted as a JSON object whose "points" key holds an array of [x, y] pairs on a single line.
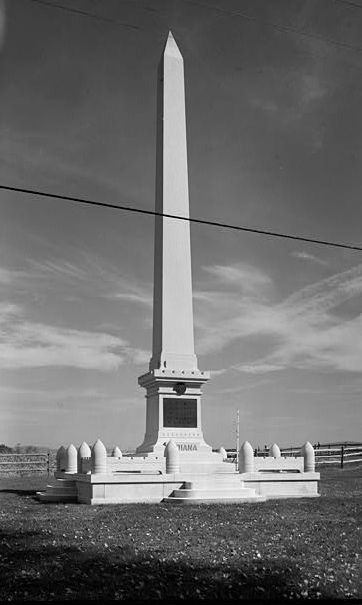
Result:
{"points": [[180, 477], [147, 486]]}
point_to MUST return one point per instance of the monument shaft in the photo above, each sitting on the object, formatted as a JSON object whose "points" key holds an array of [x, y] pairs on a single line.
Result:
{"points": [[173, 336]]}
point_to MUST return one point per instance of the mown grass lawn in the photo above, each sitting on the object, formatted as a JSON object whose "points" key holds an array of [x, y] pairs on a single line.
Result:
{"points": [[291, 549]]}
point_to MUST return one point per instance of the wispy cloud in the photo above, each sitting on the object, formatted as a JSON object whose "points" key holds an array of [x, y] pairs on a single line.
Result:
{"points": [[24, 343], [24, 401], [259, 368], [305, 256], [241, 276], [58, 268], [91, 276], [307, 330], [6, 276], [316, 299], [43, 394], [311, 89], [52, 158], [265, 104], [241, 386], [294, 97], [305, 89]]}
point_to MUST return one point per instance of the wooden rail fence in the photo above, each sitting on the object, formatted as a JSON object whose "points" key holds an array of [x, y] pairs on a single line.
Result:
{"points": [[27, 463], [333, 454], [340, 454]]}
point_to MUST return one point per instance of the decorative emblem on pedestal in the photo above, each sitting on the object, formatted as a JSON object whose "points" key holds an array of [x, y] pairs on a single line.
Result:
{"points": [[179, 388]]}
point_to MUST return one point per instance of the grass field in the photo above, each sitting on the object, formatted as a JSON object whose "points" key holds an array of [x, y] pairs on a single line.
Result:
{"points": [[286, 549]]}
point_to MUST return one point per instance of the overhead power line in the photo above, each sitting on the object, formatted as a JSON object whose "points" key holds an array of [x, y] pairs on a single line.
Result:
{"points": [[182, 218], [83, 13], [223, 10], [277, 26]]}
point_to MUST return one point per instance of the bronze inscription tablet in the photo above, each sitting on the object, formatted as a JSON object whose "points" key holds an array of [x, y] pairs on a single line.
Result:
{"points": [[180, 413]]}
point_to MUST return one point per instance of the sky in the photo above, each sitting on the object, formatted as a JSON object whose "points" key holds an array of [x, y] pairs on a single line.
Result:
{"points": [[274, 129]]}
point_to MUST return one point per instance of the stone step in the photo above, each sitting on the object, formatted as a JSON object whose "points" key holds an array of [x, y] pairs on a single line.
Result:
{"points": [[202, 498], [63, 490], [63, 482], [54, 497], [59, 491], [214, 492], [212, 488]]}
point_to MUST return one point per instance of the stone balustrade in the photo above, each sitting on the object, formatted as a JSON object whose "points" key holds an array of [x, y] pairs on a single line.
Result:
{"points": [[94, 460], [249, 463], [84, 460]]}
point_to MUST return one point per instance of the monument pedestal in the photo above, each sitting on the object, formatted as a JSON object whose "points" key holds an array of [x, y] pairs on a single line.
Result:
{"points": [[174, 412]]}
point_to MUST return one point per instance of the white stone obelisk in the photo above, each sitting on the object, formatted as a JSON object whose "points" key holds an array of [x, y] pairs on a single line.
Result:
{"points": [[173, 331], [173, 383]]}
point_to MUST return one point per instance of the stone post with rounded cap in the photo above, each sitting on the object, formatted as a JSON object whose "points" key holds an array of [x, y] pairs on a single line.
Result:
{"points": [[71, 464], [83, 453], [246, 458], [223, 452], [274, 451], [60, 458], [116, 452], [99, 457], [172, 455], [309, 457]]}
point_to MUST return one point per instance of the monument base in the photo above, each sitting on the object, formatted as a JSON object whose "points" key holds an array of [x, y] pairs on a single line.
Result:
{"points": [[134, 486], [148, 479], [174, 412]]}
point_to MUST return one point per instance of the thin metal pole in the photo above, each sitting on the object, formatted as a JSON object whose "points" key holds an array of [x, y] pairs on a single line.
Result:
{"points": [[237, 439]]}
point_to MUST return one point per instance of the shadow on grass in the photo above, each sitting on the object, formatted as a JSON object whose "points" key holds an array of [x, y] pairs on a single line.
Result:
{"points": [[19, 492], [32, 568]]}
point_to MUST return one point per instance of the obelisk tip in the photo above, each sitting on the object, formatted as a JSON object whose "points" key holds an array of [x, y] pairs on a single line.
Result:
{"points": [[171, 48]]}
